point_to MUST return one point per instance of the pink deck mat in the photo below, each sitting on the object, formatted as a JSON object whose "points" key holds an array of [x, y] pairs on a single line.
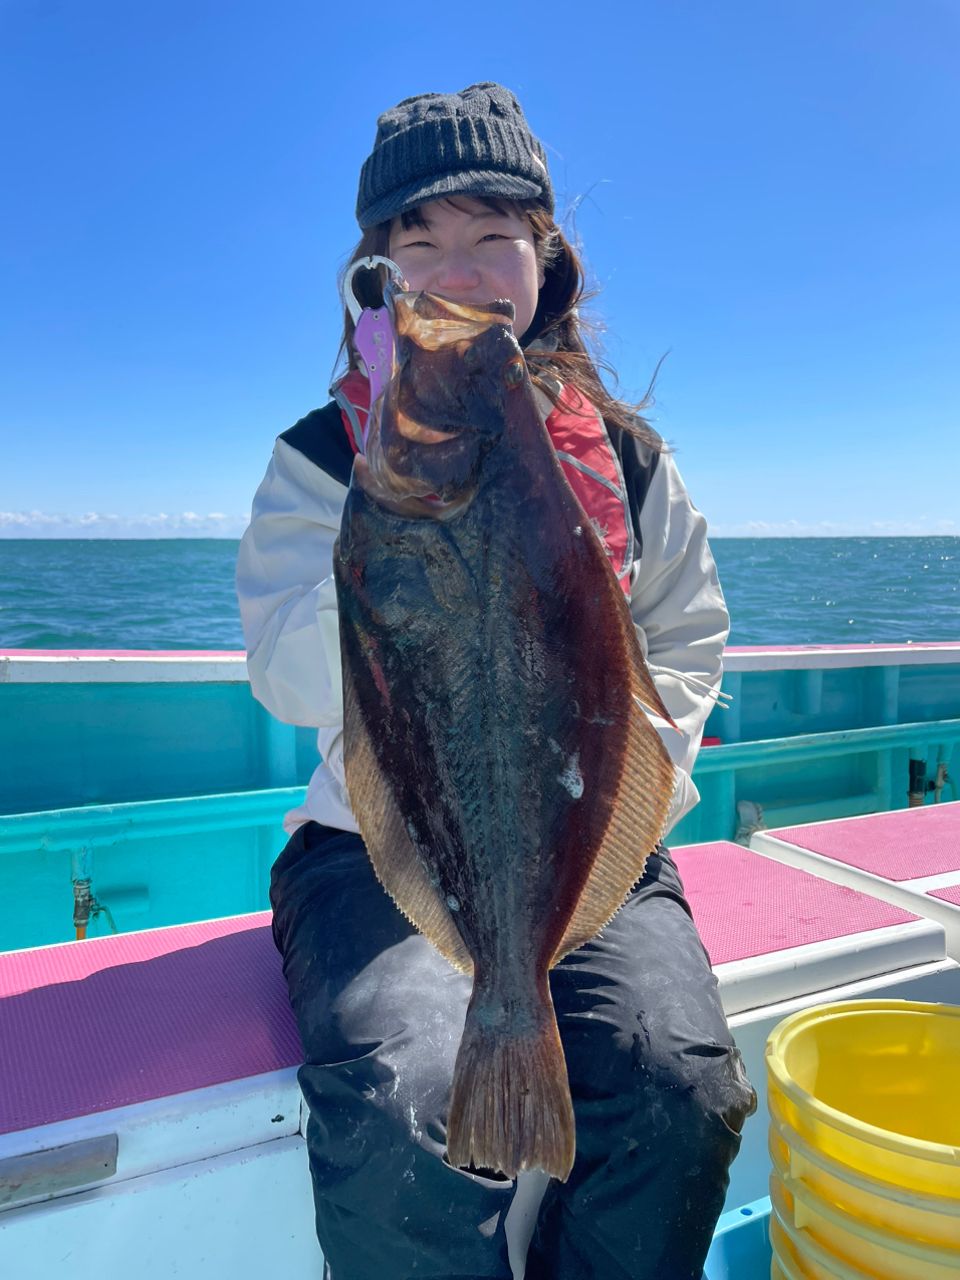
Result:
{"points": [[903, 845], [115, 1021], [89, 1026], [950, 894], [745, 905]]}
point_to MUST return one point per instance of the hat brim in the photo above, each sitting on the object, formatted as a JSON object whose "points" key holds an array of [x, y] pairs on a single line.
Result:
{"points": [[466, 182]]}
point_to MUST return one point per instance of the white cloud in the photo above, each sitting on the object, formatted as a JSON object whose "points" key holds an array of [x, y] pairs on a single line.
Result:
{"points": [[219, 524], [99, 524]]}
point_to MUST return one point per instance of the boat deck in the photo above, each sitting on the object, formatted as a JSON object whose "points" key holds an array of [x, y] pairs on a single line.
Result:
{"points": [[150, 1075], [162, 1063], [910, 858]]}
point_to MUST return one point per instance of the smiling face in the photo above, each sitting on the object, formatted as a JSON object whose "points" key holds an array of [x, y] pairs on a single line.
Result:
{"points": [[465, 251]]}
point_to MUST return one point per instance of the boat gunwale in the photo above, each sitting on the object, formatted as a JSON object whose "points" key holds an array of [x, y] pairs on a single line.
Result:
{"points": [[58, 666]]}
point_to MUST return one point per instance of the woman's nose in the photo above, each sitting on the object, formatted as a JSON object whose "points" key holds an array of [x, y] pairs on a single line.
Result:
{"points": [[457, 270]]}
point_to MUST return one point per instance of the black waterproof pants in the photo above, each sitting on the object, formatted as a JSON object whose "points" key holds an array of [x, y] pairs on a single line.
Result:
{"points": [[658, 1088]]}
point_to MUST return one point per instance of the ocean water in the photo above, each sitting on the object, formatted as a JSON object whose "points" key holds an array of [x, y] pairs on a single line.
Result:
{"points": [[178, 593]]}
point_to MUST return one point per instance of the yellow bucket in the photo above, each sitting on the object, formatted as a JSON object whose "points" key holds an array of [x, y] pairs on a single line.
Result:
{"points": [[929, 1219], [864, 1101], [806, 1260], [863, 1250]]}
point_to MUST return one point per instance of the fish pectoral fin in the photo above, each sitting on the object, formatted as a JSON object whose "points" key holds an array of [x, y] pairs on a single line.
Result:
{"points": [[638, 814], [390, 848]]}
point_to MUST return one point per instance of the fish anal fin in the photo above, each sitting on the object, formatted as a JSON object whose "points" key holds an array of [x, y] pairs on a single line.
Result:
{"points": [[395, 860], [636, 824]]}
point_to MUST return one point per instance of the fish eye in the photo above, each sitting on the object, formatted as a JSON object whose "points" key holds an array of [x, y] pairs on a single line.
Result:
{"points": [[513, 374]]}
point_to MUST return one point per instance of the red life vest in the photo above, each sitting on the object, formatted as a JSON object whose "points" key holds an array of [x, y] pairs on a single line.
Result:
{"points": [[579, 437]]}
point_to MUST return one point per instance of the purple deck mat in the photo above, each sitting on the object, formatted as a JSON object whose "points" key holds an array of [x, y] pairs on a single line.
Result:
{"points": [[88, 1026], [745, 905], [903, 845], [949, 894], [93, 1025]]}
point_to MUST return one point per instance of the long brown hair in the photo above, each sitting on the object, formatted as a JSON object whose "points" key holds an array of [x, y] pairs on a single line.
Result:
{"points": [[558, 322]]}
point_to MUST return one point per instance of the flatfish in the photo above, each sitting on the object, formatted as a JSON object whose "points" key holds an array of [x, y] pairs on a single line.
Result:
{"points": [[506, 781]]}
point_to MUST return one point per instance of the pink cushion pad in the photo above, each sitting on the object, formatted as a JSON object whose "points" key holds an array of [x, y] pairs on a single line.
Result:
{"points": [[69, 961], [745, 905], [89, 1026], [950, 894], [902, 845]]}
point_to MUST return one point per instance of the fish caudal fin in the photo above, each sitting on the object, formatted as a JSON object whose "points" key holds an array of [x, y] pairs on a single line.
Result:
{"points": [[511, 1107]]}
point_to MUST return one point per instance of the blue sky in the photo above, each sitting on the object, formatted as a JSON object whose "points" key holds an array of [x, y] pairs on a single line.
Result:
{"points": [[768, 191]]}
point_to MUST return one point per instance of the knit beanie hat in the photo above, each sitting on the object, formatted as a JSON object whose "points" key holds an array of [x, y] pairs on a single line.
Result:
{"points": [[473, 143]]}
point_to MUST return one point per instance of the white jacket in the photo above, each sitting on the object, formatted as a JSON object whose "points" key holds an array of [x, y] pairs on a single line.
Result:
{"points": [[288, 606]]}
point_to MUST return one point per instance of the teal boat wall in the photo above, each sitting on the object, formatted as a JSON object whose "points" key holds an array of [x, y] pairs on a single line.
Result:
{"points": [[89, 730], [821, 732], [149, 864], [162, 781], [776, 702], [78, 743], [928, 691]]}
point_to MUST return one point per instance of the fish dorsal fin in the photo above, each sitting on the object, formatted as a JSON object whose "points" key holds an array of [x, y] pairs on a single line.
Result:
{"points": [[637, 819], [394, 858], [647, 695]]}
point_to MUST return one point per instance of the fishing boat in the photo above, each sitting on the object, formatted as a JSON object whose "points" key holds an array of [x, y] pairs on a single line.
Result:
{"points": [[150, 1118]]}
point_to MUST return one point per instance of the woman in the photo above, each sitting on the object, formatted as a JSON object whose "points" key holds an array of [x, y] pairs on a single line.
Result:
{"points": [[457, 193]]}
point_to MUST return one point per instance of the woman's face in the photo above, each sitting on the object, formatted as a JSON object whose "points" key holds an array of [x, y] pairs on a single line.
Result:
{"points": [[469, 253]]}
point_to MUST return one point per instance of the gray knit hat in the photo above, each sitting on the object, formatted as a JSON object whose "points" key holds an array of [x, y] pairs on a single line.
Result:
{"points": [[474, 143]]}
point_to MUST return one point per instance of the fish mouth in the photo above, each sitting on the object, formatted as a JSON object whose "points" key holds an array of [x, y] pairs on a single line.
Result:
{"points": [[416, 431], [434, 322], [423, 444], [411, 500]]}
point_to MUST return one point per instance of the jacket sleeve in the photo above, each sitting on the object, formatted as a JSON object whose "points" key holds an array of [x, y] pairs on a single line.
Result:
{"points": [[286, 591], [681, 619]]}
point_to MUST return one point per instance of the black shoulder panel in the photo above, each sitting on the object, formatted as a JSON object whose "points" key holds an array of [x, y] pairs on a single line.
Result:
{"points": [[320, 436], [639, 462]]}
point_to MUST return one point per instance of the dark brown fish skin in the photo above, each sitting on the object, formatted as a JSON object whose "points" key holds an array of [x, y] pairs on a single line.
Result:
{"points": [[483, 659]]}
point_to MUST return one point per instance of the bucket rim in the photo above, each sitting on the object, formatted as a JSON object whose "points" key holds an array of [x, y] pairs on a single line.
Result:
{"points": [[796, 1023]]}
